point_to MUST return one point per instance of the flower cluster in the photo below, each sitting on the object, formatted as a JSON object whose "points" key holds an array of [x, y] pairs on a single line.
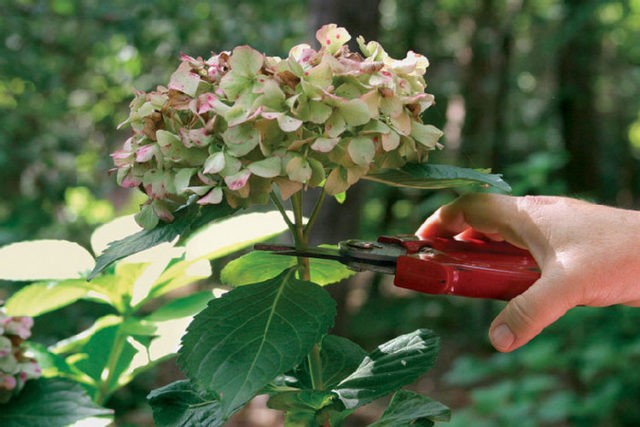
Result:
{"points": [[15, 367], [239, 123]]}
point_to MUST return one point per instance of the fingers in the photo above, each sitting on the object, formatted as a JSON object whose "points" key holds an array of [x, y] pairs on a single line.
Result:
{"points": [[527, 315], [473, 215]]}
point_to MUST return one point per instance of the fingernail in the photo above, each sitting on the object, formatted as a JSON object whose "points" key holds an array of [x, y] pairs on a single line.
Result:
{"points": [[501, 337]]}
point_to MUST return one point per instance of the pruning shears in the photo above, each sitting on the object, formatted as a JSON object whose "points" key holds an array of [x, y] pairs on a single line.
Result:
{"points": [[479, 269]]}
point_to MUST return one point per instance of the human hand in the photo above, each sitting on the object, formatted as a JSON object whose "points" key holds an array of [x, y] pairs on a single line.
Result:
{"points": [[588, 255]]}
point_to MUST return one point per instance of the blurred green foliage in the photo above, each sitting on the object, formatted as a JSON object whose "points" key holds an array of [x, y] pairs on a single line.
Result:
{"points": [[68, 69]]}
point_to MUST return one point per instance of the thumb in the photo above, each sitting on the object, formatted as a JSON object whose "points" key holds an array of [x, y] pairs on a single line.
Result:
{"points": [[526, 315]]}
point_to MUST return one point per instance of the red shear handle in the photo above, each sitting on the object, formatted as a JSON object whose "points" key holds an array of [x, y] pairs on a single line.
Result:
{"points": [[477, 269]]}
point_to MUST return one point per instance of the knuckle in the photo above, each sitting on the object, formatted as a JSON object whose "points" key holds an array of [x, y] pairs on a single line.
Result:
{"points": [[521, 316]]}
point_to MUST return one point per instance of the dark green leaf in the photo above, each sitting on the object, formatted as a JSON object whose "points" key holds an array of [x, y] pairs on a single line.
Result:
{"points": [[179, 404], [181, 307], [247, 337], [392, 365], [340, 357], [98, 350], [42, 297], [407, 407], [302, 400], [186, 219], [49, 403], [431, 176], [258, 266]]}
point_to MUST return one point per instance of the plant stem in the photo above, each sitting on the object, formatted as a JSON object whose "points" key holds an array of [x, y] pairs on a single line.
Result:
{"points": [[300, 236], [104, 386], [315, 212], [278, 204]]}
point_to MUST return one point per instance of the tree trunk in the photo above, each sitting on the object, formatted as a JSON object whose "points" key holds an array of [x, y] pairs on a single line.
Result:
{"points": [[337, 222], [485, 88], [578, 58]]}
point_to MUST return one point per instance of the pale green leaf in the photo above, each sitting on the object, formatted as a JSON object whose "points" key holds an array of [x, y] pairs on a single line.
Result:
{"points": [[186, 219], [42, 297], [250, 335], [258, 266], [392, 365], [181, 307], [44, 260]]}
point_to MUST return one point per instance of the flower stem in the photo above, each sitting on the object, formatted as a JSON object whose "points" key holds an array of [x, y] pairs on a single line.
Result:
{"points": [[300, 237], [278, 204]]}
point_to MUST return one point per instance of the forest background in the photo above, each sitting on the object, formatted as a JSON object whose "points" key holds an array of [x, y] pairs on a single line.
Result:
{"points": [[545, 92]]}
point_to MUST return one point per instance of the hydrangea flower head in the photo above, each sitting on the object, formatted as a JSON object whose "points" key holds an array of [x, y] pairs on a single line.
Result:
{"points": [[16, 368], [234, 126]]}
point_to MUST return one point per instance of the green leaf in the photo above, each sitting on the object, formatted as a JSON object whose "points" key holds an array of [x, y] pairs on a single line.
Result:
{"points": [[42, 297], [247, 337], [392, 365], [181, 307], [302, 400], [44, 260], [258, 266], [340, 357], [179, 404], [49, 403], [407, 406], [186, 219], [431, 176]]}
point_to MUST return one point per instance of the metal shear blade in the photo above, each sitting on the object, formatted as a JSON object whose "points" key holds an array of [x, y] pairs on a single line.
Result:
{"points": [[357, 255]]}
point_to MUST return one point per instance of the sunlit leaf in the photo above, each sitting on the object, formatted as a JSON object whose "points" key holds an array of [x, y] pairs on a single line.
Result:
{"points": [[186, 219], [44, 260], [248, 336], [42, 297], [181, 307], [258, 266]]}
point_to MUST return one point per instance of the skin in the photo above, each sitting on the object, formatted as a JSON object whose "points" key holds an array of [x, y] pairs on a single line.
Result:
{"points": [[588, 254]]}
